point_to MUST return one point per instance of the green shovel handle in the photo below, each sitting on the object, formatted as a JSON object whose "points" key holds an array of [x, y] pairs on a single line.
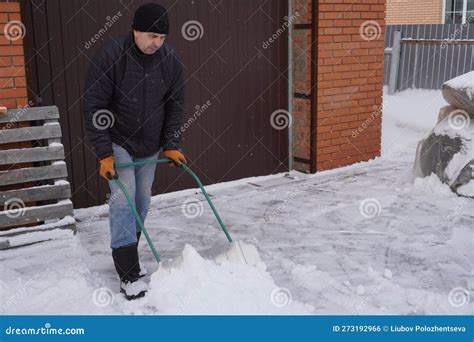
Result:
{"points": [[134, 209]]}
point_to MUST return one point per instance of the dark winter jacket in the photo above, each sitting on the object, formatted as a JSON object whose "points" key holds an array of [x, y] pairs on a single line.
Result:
{"points": [[132, 99]]}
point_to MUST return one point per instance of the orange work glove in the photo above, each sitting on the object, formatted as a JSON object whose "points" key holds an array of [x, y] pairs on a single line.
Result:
{"points": [[107, 167], [176, 156]]}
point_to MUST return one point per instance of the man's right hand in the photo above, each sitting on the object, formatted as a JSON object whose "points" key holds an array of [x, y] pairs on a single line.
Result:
{"points": [[107, 168]]}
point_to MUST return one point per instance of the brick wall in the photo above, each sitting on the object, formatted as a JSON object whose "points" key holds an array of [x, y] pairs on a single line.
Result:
{"points": [[414, 12], [350, 81], [348, 89], [13, 91]]}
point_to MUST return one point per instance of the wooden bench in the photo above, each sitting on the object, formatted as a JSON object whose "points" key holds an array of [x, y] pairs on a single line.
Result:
{"points": [[41, 168]]}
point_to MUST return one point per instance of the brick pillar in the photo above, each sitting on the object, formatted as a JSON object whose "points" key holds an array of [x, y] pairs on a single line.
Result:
{"points": [[13, 91], [345, 96], [349, 81]]}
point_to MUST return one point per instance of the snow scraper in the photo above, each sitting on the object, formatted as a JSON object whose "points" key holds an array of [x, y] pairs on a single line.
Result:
{"points": [[234, 251]]}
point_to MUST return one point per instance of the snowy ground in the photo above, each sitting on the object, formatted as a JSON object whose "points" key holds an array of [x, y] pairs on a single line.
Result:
{"points": [[359, 240]]}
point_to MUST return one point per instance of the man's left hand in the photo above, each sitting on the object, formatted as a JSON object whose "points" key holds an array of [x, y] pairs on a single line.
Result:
{"points": [[176, 156]]}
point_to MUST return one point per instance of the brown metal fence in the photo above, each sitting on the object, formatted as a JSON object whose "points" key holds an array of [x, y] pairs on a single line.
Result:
{"points": [[234, 83]]}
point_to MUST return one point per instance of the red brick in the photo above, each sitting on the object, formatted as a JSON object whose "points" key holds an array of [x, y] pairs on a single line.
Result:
{"points": [[12, 71], [5, 61], [18, 60], [12, 93], [12, 50], [6, 83], [9, 7], [8, 103], [20, 81], [13, 16]]}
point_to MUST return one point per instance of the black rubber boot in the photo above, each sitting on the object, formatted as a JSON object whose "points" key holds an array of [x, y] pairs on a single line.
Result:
{"points": [[142, 271], [128, 268]]}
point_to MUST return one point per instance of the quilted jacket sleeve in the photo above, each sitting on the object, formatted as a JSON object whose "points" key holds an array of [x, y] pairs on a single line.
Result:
{"points": [[98, 92], [174, 107]]}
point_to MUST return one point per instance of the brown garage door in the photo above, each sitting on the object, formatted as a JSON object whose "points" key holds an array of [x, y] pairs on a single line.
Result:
{"points": [[227, 64]]}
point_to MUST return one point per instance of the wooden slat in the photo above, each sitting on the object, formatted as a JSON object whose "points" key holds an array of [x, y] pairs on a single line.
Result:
{"points": [[39, 193], [35, 154], [35, 214], [31, 174], [30, 114], [5, 242], [61, 223], [30, 133]]}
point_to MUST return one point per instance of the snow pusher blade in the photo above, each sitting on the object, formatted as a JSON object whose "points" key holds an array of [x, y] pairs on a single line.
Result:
{"points": [[237, 252]]}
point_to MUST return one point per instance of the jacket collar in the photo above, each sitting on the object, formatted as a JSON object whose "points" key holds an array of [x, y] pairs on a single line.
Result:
{"points": [[137, 54]]}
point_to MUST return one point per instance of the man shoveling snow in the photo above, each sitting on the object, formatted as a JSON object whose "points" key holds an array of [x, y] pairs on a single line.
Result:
{"points": [[133, 104]]}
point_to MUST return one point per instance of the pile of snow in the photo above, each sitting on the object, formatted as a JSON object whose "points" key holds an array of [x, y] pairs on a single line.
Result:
{"points": [[407, 116], [459, 93], [201, 286], [464, 83], [444, 122], [448, 150], [432, 185], [466, 189]]}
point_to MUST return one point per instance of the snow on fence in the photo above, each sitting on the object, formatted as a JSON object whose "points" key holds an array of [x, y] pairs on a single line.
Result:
{"points": [[425, 56], [33, 183]]}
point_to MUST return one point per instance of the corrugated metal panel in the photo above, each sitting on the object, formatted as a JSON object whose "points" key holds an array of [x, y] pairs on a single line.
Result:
{"points": [[427, 65]]}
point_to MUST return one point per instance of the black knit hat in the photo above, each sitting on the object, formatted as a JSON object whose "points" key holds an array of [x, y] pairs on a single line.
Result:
{"points": [[151, 17]]}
